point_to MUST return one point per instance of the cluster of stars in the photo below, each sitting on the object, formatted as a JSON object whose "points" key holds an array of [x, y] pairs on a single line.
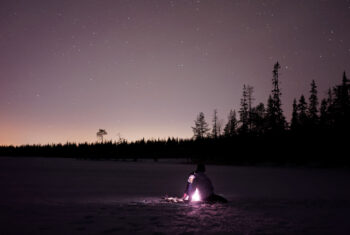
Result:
{"points": [[129, 50]]}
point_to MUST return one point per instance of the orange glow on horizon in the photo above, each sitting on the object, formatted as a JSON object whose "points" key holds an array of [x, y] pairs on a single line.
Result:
{"points": [[18, 135]]}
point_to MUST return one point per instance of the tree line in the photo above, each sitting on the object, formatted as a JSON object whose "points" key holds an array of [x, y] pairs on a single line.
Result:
{"points": [[312, 117], [316, 135]]}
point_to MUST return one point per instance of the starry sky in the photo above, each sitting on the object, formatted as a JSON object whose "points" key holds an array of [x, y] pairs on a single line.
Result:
{"points": [[146, 68]]}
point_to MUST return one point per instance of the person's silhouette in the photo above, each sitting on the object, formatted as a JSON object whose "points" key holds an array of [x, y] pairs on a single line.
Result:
{"points": [[199, 181]]}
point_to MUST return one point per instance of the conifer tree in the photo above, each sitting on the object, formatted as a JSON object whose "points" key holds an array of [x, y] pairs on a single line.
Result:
{"points": [[341, 104], [250, 99], [201, 129], [215, 129], [231, 126], [100, 134], [294, 121], [313, 106], [275, 118], [258, 115], [302, 112], [323, 114], [243, 111], [330, 109], [219, 127]]}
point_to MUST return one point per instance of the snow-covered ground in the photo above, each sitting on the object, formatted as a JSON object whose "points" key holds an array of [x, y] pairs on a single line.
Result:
{"points": [[68, 196]]}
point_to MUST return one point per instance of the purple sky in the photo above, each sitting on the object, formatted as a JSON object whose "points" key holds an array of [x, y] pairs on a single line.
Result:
{"points": [[147, 68]]}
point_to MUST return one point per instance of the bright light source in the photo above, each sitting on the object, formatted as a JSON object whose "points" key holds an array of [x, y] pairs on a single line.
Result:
{"points": [[196, 197]]}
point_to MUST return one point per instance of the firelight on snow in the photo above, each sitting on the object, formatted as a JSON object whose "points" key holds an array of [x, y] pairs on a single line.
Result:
{"points": [[196, 197]]}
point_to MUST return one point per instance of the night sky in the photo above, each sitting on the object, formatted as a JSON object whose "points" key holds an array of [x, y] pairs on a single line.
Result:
{"points": [[147, 68]]}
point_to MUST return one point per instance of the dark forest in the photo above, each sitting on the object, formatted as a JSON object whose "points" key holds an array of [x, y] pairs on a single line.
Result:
{"points": [[316, 135]]}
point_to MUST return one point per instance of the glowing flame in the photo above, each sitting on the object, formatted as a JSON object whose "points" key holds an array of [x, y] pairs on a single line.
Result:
{"points": [[196, 197]]}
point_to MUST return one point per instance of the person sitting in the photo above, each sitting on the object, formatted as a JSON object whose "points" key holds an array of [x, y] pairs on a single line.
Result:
{"points": [[202, 183], [199, 181]]}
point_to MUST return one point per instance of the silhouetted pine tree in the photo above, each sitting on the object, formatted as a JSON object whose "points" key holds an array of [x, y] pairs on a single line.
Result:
{"points": [[341, 104], [294, 122], [312, 112], [250, 99], [258, 115], [323, 114], [330, 110], [100, 134], [231, 126], [200, 130], [275, 119], [215, 129], [243, 112], [302, 113], [220, 123]]}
